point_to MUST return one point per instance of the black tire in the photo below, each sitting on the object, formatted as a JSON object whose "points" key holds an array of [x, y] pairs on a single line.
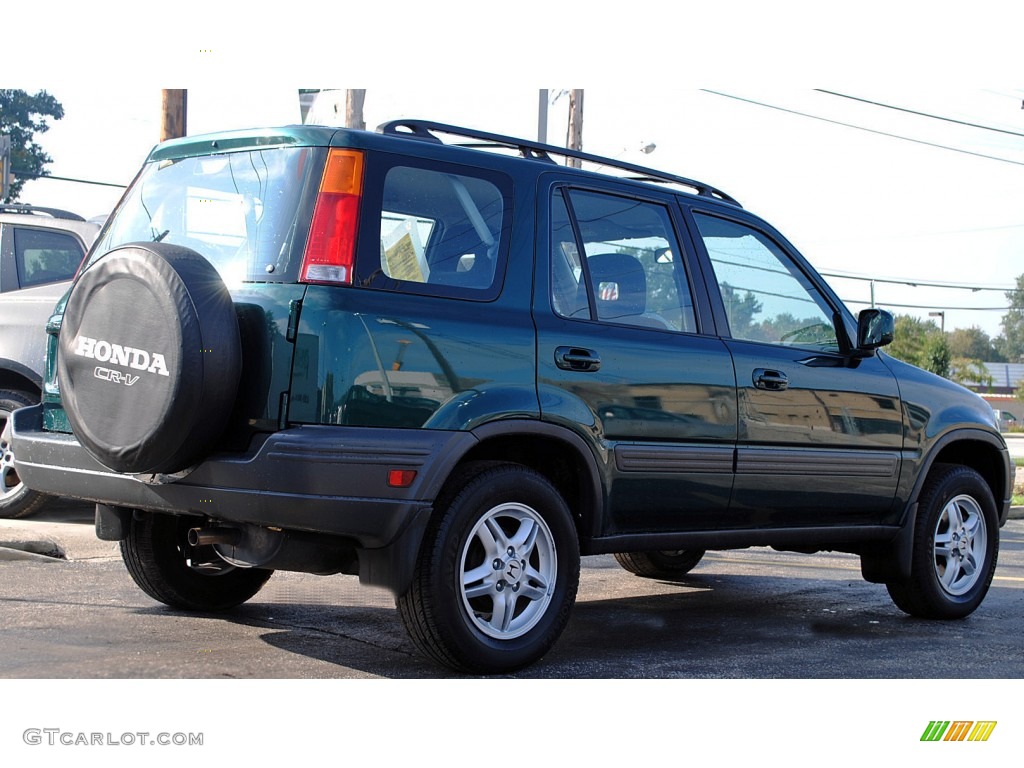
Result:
{"points": [[16, 500], [149, 358], [668, 564], [956, 545], [161, 561], [509, 525]]}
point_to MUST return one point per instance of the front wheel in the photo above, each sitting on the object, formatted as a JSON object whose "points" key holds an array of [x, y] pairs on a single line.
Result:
{"points": [[166, 567], [956, 543], [497, 574]]}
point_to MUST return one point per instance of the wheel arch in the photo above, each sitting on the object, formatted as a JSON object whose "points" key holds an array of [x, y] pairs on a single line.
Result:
{"points": [[983, 452], [560, 455], [14, 375]]}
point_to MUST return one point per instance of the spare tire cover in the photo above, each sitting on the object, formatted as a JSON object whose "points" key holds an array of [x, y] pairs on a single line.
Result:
{"points": [[149, 358]]}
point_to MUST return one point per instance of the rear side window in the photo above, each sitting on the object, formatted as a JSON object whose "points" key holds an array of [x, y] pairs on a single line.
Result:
{"points": [[440, 233], [44, 256]]}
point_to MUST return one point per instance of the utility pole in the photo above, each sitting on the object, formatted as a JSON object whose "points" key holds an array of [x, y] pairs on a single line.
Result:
{"points": [[354, 99], [574, 138], [5, 167], [175, 113], [542, 116]]}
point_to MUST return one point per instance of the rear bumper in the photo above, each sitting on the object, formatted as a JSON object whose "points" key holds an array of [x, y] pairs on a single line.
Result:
{"points": [[329, 480]]}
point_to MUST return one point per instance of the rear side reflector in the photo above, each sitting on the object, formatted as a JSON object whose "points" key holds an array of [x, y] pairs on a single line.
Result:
{"points": [[401, 478], [331, 247]]}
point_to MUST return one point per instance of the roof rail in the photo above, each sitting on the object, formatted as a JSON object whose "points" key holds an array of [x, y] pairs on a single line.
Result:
{"points": [[425, 130], [55, 213]]}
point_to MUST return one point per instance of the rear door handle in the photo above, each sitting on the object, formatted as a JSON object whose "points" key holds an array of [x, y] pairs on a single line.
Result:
{"points": [[577, 359], [773, 381]]}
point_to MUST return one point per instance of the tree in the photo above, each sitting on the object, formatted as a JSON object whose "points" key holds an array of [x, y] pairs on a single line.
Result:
{"points": [[1011, 342], [22, 116], [741, 311], [970, 372], [922, 344], [973, 344]]}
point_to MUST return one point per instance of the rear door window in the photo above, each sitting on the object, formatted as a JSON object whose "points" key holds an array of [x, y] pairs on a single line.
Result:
{"points": [[630, 272]]}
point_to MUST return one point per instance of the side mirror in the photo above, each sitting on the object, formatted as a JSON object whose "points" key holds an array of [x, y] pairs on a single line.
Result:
{"points": [[875, 328]]}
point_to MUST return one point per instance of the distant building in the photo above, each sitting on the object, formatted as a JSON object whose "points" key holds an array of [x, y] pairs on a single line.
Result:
{"points": [[1006, 377], [1002, 393]]}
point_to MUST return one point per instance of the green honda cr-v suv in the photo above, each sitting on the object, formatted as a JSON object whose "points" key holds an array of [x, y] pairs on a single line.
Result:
{"points": [[455, 369]]}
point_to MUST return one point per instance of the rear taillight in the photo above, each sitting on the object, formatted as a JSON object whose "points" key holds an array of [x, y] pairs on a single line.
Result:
{"points": [[331, 247]]}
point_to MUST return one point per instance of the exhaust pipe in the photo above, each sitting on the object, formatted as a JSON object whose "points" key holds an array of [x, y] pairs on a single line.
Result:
{"points": [[252, 546], [201, 537]]}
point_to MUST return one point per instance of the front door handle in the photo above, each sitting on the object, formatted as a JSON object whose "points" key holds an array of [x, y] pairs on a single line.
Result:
{"points": [[577, 359], [773, 381]]}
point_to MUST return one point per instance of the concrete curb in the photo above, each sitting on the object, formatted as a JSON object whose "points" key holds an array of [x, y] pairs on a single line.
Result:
{"points": [[61, 531], [10, 551]]}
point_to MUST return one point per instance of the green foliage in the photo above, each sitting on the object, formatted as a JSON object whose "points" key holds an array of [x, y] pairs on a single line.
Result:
{"points": [[1011, 342], [922, 344], [22, 117], [967, 371], [740, 310], [973, 344]]}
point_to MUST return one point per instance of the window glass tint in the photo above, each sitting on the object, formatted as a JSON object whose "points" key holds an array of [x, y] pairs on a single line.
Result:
{"points": [[767, 298], [632, 271], [241, 210], [440, 229], [44, 256]]}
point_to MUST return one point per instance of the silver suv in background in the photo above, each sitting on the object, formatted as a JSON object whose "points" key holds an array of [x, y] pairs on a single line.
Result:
{"points": [[40, 251]]}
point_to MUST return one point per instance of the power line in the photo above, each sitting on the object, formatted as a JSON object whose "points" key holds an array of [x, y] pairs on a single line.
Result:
{"points": [[921, 114], [918, 283], [929, 306], [862, 128], [65, 178]]}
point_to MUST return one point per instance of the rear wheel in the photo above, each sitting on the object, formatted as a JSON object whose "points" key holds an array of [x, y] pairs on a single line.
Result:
{"points": [[16, 500], [497, 574], [956, 543], [665, 564], [168, 569]]}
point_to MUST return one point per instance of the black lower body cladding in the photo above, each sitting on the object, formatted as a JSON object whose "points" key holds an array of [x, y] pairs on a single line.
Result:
{"points": [[149, 358]]}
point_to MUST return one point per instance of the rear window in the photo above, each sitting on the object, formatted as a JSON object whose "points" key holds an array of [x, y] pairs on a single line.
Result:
{"points": [[246, 212], [441, 232]]}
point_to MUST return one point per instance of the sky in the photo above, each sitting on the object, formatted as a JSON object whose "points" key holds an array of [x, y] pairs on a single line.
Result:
{"points": [[871, 190]]}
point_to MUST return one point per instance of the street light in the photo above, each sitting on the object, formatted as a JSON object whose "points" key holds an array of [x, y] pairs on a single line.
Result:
{"points": [[942, 317]]}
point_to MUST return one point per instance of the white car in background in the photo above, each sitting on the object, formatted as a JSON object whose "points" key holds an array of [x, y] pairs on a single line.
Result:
{"points": [[40, 251], [1006, 420]]}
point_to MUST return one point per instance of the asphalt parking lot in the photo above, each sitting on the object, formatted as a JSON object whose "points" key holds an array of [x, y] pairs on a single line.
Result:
{"points": [[752, 613]]}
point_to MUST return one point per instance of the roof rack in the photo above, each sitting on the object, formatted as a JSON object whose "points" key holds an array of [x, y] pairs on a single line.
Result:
{"points": [[55, 213], [532, 150]]}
